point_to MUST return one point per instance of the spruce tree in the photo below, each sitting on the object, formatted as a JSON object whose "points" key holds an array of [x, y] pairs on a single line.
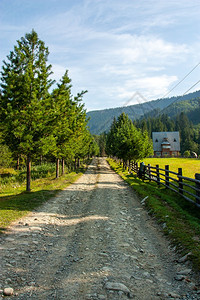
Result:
{"points": [[25, 83], [127, 142], [69, 125]]}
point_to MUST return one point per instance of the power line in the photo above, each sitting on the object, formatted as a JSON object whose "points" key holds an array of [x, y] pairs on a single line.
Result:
{"points": [[139, 96], [181, 81], [149, 102], [184, 93], [191, 87], [153, 106], [177, 85]]}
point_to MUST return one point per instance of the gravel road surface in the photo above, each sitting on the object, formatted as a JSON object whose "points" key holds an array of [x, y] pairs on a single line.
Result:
{"points": [[94, 240]]}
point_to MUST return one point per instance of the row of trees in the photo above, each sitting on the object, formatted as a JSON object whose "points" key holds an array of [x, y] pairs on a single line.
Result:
{"points": [[189, 134], [127, 142], [35, 122]]}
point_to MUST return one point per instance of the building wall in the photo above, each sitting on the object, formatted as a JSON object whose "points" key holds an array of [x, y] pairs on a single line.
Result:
{"points": [[169, 153], [161, 150]]}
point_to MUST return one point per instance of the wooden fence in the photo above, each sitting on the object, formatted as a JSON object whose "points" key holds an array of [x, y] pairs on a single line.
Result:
{"points": [[187, 187]]}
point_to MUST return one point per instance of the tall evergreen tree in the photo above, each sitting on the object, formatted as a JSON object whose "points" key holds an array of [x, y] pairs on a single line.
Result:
{"points": [[62, 116], [25, 83], [127, 142], [69, 122], [111, 144]]}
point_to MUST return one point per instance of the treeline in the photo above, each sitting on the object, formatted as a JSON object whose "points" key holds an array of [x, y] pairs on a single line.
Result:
{"points": [[127, 142], [190, 107], [34, 122], [189, 133], [100, 121]]}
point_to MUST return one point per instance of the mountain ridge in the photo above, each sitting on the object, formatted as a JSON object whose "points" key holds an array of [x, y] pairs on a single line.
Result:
{"points": [[100, 120]]}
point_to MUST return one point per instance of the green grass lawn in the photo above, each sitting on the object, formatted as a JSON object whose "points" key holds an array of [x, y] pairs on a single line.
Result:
{"points": [[179, 219], [189, 166]]}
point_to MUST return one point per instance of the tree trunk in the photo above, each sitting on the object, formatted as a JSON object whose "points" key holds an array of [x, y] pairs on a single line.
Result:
{"points": [[17, 166], [78, 163], [75, 163], [28, 173], [123, 164], [57, 167], [129, 165], [63, 166]]}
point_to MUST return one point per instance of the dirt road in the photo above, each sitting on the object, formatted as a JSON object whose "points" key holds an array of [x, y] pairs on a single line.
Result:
{"points": [[93, 241]]}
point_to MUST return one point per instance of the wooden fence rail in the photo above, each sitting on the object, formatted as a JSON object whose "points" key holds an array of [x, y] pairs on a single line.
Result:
{"points": [[187, 187]]}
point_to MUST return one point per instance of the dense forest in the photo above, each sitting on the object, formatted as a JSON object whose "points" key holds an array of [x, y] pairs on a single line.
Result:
{"points": [[39, 119]]}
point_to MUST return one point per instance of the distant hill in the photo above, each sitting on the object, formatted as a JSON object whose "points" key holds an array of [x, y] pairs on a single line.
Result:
{"points": [[100, 120], [190, 107]]}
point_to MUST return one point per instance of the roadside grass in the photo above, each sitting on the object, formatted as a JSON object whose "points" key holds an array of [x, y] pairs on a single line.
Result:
{"points": [[179, 219], [16, 203], [11, 179]]}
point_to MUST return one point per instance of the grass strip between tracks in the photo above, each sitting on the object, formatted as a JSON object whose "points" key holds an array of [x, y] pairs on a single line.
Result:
{"points": [[179, 219]]}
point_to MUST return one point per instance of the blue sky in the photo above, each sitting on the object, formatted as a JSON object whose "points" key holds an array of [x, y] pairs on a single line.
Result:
{"points": [[112, 48]]}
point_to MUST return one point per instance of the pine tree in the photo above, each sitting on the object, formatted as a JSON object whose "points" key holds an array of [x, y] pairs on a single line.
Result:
{"points": [[24, 87], [127, 142], [69, 122]]}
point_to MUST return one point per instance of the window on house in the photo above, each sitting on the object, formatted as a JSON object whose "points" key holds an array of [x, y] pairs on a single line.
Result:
{"points": [[156, 140], [174, 140]]}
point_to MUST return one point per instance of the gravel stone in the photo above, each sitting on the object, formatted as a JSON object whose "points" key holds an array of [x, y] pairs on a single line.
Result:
{"points": [[8, 291], [116, 286], [93, 240]]}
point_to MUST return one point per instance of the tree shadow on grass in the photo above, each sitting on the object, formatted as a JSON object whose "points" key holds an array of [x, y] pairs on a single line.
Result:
{"points": [[26, 201], [17, 206]]}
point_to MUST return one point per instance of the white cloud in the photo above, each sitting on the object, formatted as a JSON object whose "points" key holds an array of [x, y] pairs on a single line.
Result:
{"points": [[114, 64], [153, 87], [148, 87], [115, 48], [144, 48]]}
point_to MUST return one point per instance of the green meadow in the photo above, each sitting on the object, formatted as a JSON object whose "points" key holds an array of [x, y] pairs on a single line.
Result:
{"points": [[189, 166]]}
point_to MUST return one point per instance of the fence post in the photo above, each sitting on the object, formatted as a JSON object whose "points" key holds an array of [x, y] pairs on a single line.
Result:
{"points": [[149, 171], [167, 175], [157, 174], [136, 168], [180, 180], [197, 177], [131, 165]]}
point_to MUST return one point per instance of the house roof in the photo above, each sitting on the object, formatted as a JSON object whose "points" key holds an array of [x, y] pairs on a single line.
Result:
{"points": [[160, 138]]}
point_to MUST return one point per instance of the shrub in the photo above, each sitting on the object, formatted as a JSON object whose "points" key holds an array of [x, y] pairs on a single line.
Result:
{"points": [[6, 156], [186, 153]]}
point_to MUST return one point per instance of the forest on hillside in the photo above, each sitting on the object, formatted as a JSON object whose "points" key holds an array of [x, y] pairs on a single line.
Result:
{"points": [[181, 115], [183, 118], [101, 120]]}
